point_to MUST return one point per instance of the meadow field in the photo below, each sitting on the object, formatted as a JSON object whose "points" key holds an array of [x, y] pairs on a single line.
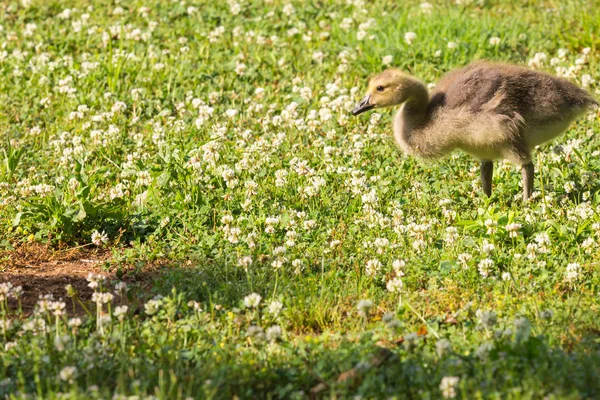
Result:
{"points": [[188, 208]]}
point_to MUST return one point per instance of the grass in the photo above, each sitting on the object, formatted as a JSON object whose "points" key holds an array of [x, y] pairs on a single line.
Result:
{"points": [[229, 156]]}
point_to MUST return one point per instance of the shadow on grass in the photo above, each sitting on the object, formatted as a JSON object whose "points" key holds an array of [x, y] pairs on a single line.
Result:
{"points": [[204, 364], [315, 370]]}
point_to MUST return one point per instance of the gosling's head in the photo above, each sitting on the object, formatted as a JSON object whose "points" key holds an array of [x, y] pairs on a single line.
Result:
{"points": [[390, 88]]}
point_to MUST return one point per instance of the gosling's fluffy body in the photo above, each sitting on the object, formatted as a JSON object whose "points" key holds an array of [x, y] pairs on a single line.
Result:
{"points": [[490, 110]]}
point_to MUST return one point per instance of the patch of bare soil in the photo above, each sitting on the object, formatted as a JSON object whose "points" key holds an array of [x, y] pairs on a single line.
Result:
{"points": [[40, 271]]}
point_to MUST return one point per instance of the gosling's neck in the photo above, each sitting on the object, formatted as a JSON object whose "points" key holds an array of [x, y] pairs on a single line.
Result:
{"points": [[412, 115], [417, 101]]}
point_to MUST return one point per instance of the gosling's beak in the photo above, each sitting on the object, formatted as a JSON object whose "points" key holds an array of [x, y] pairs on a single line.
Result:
{"points": [[363, 105]]}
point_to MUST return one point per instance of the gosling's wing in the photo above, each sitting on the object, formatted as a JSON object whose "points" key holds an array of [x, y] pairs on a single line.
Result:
{"points": [[479, 87], [508, 89], [482, 90]]}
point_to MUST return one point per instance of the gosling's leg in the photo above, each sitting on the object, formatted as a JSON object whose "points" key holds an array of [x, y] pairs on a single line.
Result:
{"points": [[527, 172], [487, 170]]}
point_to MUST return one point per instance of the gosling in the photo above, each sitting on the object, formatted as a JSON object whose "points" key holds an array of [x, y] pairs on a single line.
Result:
{"points": [[489, 110]]}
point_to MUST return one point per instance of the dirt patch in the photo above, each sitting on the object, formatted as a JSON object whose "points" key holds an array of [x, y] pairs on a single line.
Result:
{"points": [[40, 271]]}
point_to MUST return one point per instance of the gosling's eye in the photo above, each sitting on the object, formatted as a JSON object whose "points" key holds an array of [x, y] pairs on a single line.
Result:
{"points": [[380, 88]]}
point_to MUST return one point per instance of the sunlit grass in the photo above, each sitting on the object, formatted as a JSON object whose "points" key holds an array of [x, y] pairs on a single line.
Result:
{"points": [[229, 157]]}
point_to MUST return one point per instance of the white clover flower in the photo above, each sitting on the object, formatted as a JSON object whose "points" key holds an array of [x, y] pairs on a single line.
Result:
{"points": [[298, 266], [543, 240], [259, 92], [68, 374], [443, 347], [513, 229], [274, 332], [119, 106], [194, 305], [279, 250], [586, 80], [398, 265], [495, 41], [8, 346], [152, 306], [451, 235], [346, 24], [165, 221], [419, 245], [143, 178], [426, 7], [411, 339], [233, 235], [562, 53], [235, 8], [74, 322], [364, 306], [309, 224], [387, 60], [569, 186], [487, 247], [57, 308], [231, 113], [278, 262], [588, 245], [487, 318], [255, 332], [372, 267], [95, 280], [306, 93], [240, 68], [275, 308], [5, 290], [252, 300], [120, 312], [572, 272], [484, 267], [483, 351], [102, 298], [227, 219], [452, 45], [538, 60], [374, 119], [73, 184], [522, 329], [120, 287], [318, 57], [410, 37], [370, 198], [5, 325], [16, 292], [491, 226], [394, 285], [245, 261], [448, 386], [381, 243]]}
